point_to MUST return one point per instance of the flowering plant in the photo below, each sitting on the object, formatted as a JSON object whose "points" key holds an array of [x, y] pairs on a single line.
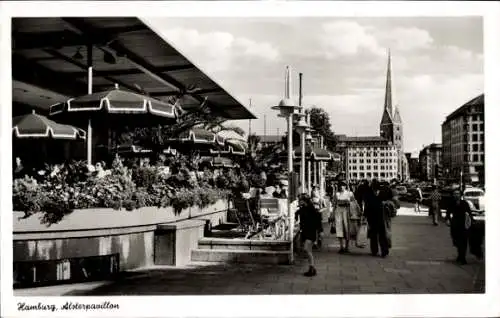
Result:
{"points": [[72, 187]]}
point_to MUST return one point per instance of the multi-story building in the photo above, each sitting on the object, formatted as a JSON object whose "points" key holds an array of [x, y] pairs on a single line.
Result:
{"points": [[430, 161], [463, 142], [371, 157], [413, 166]]}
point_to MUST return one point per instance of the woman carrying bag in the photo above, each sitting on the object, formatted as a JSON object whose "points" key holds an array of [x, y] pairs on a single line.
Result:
{"points": [[345, 217]]}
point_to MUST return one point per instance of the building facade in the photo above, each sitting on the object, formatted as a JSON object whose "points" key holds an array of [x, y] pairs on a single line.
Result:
{"points": [[430, 161], [413, 166], [371, 157], [463, 143]]}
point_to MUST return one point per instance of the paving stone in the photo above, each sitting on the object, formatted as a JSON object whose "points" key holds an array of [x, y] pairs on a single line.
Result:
{"points": [[420, 262]]}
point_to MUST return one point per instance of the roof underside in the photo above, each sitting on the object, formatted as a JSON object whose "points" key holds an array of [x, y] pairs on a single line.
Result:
{"points": [[47, 69]]}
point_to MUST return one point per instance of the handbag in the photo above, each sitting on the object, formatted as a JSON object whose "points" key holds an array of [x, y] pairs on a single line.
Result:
{"points": [[468, 221], [354, 210], [362, 235], [332, 229]]}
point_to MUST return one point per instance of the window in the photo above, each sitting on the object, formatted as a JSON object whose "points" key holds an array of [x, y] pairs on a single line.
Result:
{"points": [[375, 160], [354, 168], [382, 174], [482, 138], [361, 167], [375, 174], [475, 147], [382, 160], [474, 127], [466, 158], [465, 138], [474, 137], [368, 167], [466, 148], [368, 161], [482, 147], [475, 157], [482, 158], [361, 161], [481, 127], [354, 161]]}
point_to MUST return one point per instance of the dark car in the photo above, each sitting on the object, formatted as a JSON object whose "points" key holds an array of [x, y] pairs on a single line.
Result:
{"points": [[410, 195]]}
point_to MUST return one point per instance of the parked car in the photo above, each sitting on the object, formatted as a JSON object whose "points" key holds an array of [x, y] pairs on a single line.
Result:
{"points": [[401, 190], [476, 197], [410, 195]]}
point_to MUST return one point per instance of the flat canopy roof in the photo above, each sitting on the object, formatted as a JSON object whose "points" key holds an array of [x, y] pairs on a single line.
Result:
{"points": [[49, 64]]}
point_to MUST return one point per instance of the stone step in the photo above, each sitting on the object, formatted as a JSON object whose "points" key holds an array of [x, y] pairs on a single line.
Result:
{"points": [[240, 256], [242, 244]]}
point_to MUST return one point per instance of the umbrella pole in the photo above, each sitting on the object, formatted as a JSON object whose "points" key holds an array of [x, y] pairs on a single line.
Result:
{"points": [[89, 127]]}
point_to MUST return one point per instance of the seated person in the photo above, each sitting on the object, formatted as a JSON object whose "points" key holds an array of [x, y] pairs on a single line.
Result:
{"points": [[284, 190]]}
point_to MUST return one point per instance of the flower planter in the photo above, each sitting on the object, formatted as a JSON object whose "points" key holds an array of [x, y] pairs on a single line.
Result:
{"points": [[99, 232]]}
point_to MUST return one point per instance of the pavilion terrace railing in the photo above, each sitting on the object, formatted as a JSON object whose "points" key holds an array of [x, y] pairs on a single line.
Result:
{"points": [[263, 218]]}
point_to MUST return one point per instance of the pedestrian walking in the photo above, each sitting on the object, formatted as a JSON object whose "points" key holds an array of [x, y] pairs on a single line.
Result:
{"points": [[342, 216], [435, 209], [419, 199], [361, 192], [378, 211], [311, 228], [459, 218]]}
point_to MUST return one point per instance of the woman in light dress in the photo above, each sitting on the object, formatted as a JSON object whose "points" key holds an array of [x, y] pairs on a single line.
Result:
{"points": [[344, 218]]}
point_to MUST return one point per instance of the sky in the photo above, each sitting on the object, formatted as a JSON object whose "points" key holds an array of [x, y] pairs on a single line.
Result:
{"points": [[437, 66]]}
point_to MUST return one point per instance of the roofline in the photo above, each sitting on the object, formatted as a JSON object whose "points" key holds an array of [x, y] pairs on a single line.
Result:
{"points": [[459, 111], [197, 66]]}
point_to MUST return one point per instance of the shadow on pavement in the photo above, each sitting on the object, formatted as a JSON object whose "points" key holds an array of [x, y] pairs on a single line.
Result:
{"points": [[206, 280]]}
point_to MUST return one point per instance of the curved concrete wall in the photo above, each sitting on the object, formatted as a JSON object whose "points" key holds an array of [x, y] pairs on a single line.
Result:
{"points": [[96, 232]]}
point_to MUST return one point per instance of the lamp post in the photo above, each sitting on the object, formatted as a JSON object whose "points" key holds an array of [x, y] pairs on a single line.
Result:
{"points": [[287, 109], [314, 164], [309, 138], [302, 127]]}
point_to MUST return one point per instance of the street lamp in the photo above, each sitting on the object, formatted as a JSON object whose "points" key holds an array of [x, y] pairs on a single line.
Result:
{"points": [[309, 139], [302, 127], [287, 109]]}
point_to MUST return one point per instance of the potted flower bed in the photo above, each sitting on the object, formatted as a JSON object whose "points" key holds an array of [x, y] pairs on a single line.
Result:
{"points": [[72, 187]]}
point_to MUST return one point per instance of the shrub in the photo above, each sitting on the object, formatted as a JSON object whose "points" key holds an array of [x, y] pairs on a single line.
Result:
{"points": [[145, 177], [27, 196], [72, 188], [183, 199]]}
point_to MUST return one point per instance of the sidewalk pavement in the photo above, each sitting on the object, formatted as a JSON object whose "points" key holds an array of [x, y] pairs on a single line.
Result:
{"points": [[421, 261]]}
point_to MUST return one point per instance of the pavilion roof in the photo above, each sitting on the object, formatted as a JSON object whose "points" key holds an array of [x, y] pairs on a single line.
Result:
{"points": [[49, 59]]}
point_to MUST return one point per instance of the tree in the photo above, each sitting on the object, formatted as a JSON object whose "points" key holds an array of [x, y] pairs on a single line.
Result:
{"points": [[320, 122]]}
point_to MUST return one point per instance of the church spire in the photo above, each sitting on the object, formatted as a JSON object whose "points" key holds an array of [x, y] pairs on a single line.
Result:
{"points": [[388, 87]]}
